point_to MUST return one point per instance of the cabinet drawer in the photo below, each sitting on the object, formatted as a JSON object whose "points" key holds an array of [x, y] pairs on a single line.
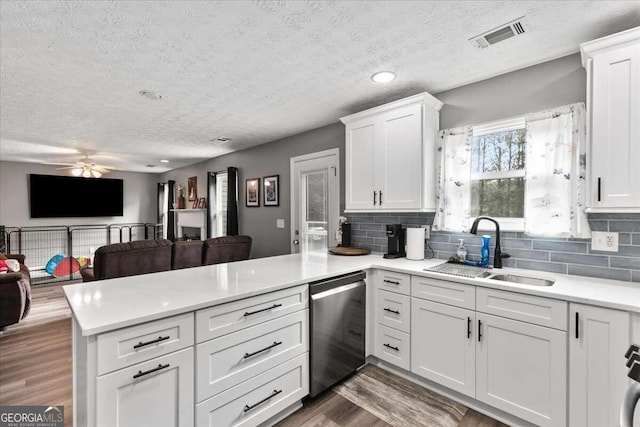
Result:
{"points": [[135, 344], [451, 293], [226, 318], [393, 310], [229, 360], [393, 346], [394, 282], [537, 310], [157, 392], [259, 398]]}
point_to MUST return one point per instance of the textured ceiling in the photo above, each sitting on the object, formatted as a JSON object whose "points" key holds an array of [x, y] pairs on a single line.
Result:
{"points": [[254, 71]]}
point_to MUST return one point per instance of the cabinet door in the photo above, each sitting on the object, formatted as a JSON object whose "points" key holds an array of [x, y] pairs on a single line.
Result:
{"points": [[597, 371], [155, 393], [522, 369], [398, 158], [359, 164], [615, 127], [443, 345]]}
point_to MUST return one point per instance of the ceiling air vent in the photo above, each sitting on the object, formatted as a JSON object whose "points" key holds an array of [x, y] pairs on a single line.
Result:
{"points": [[503, 32], [221, 139]]}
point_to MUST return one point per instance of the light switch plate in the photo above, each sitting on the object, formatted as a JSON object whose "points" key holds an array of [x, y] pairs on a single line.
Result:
{"points": [[280, 223], [604, 241]]}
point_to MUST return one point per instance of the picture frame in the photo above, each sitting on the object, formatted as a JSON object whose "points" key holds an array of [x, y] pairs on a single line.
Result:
{"points": [[271, 193], [192, 188], [202, 203], [252, 192], [194, 204]]}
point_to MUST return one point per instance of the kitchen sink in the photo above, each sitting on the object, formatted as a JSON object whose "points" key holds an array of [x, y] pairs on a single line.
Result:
{"points": [[524, 280]]}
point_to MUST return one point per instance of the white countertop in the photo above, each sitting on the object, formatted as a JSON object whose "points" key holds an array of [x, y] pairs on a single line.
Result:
{"points": [[105, 305]]}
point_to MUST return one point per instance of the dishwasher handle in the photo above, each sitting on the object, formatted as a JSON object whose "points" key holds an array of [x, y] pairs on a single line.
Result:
{"points": [[339, 289]]}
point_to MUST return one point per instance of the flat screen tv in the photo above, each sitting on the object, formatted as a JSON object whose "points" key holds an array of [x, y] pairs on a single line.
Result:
{"points": [[54, 196]]}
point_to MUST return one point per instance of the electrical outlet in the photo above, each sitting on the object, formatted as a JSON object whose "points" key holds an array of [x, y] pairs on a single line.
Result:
{"points": [[279, 223], [427, 231], [604, 241]]}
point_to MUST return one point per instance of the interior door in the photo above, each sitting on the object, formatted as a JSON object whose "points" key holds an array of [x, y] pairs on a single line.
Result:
{"points": [[314, 201]]}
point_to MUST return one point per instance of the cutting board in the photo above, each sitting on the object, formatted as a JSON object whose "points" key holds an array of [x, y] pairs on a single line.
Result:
{"points": [[345, 250]]}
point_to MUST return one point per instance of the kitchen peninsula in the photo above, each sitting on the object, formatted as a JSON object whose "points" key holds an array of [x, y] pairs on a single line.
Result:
{"points": [[168, 347]]}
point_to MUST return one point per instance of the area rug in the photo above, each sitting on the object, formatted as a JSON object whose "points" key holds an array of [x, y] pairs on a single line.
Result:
{"points": [[398, 401]]}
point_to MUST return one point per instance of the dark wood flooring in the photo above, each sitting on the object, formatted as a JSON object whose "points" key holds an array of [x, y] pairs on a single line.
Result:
{"points": [[35, 369]]}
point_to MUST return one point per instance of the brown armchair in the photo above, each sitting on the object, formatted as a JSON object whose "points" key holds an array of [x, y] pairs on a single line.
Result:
{"points": [[218, 250], [129, 259], [15, 293]]}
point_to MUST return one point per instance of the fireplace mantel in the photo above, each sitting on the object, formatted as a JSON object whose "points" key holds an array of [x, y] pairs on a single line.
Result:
{"points": [[191, 218]]}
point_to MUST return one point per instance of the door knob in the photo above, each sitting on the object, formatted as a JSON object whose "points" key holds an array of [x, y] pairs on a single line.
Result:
{"points": [[296, 242]]}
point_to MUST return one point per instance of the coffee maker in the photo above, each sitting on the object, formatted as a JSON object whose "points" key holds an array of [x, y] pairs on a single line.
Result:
{"points": [[395, 244]]}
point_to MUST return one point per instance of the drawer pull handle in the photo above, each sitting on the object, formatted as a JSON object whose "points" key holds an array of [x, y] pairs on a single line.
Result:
{"points": [[352, 332], [599, 189], [393, 282], [275, 344], [380, 197], [468, 327], [247, 408], [374, 198], [479, 330], [391, 311], [250, 313], [391, 347], [577, 322], [140, 373], [142, 344]]}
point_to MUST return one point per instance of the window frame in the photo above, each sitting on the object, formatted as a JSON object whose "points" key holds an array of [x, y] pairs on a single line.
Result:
{"points": [[506, 125]]}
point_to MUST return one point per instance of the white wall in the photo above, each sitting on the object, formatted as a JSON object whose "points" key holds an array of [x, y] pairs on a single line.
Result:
{"points": [[140, 195]]}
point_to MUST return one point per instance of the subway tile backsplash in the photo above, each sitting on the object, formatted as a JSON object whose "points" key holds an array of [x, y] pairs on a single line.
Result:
{"points": [[562, 255]]}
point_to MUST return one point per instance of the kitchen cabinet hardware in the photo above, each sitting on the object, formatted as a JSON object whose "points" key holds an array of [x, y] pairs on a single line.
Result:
{"points": [[352, 332], [251, 313], [599, 189], [150, 371], [391, 311], [393, 282], [577, 322], [391, 347], [380, 197], [143, 344], [479, 330], [357, 301], [275, 344], [632, 349], [247, 408], [374, 197], [468, 327]]}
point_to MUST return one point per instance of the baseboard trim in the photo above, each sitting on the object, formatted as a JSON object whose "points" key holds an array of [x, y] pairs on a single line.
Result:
{"points": [[282, 415]]}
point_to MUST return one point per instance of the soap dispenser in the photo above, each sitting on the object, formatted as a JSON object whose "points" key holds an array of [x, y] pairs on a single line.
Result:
{"points": [[484, 251], [461, 252]]}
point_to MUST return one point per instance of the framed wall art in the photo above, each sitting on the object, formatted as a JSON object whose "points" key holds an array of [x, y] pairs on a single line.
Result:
{"points": [[252, 190], [271, 190], [192, 188]]}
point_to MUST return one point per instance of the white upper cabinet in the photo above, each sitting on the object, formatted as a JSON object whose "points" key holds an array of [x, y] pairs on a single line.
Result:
{"points": [[390, 156], [613, 124]]}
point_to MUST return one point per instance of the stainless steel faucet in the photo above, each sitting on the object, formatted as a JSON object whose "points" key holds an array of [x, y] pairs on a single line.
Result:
{"points": [[498, 255]]}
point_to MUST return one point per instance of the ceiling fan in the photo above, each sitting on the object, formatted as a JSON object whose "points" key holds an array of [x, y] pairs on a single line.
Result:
{"points": [[87, 168]]}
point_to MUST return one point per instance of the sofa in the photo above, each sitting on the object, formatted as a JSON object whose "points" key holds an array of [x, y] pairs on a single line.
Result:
{"points": [[150, 256], [15, 292]]}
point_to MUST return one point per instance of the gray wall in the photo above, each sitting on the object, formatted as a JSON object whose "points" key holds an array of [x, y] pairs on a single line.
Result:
{"points": [[260, 161], [547, 85], [140, 195]]}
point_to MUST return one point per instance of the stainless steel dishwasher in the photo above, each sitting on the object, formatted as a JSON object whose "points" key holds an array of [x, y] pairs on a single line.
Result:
{"points": [[337, 329]]}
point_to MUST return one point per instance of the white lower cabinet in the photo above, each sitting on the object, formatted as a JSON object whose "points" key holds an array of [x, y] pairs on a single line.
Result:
{"points": [[598, 340], [258, 399], [443, 345], [522, 369], [158, 392]]}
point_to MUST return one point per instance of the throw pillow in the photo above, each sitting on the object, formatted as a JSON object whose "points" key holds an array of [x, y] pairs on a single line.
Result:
{"points": [[13, 265], [3, 267]]}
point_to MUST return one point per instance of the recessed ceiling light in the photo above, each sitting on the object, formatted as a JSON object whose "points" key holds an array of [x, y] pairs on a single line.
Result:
{"points": [[151, 95], [383, 76], [164, 161]]}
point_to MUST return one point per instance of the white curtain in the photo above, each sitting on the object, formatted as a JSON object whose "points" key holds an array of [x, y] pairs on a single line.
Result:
{"points": [[554, 177], [453, 175], [555, 173]]}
